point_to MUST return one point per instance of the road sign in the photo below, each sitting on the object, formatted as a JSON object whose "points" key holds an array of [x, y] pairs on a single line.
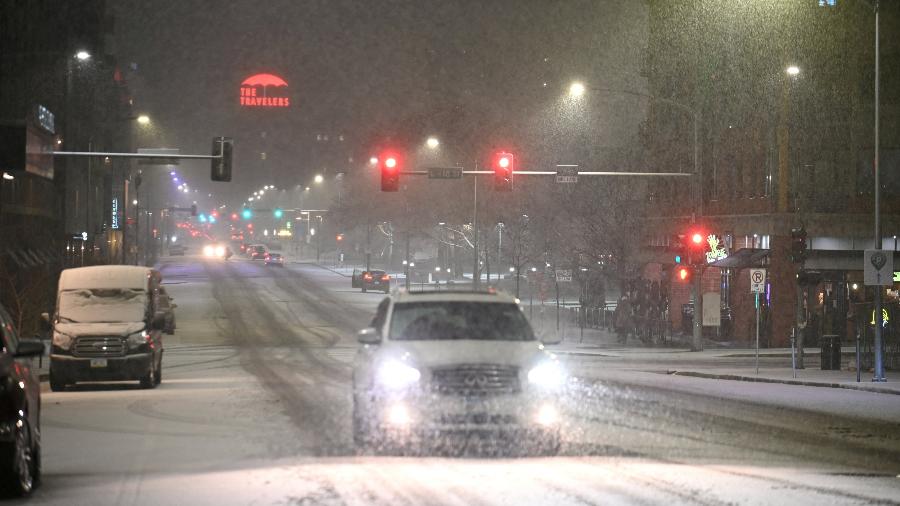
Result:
{"points": [[757, 281], [564, 275], [445, 172], [566, 173], [878, 267]]}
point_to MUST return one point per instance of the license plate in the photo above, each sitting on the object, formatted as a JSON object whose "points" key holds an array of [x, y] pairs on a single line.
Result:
{"points": [[98, 362]]}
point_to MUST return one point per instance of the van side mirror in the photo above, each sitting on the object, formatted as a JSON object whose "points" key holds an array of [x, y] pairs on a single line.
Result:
{"points": [[369, 335]]}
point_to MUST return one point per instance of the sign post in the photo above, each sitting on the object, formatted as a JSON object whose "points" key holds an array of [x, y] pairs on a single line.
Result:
{"points": [[757, 286], [566, 173], [878, 271]]}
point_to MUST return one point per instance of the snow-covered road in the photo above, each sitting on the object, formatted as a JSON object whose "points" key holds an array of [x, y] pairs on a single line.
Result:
{"points": [[254, 408]]}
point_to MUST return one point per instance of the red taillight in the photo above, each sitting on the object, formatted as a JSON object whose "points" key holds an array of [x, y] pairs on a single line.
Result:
{"points": [[367, 277], [385, 278]]}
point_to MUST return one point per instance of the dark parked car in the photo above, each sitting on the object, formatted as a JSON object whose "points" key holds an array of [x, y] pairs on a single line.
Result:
{"points": [[375, 280], [166, 305], [20, 407]]}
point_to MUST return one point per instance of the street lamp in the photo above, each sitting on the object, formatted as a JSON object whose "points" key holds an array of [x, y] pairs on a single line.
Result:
{"points": [[576, 89], [143, 119], [432, 142], [792, 70], [319, 178], [83, 55]]}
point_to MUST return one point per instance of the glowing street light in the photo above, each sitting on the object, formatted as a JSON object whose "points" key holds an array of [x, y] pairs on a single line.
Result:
{"points": [[576, 90], [793, 70], [433, 142], [318, 178], [83, 55], [143, 119], [373, 160]]}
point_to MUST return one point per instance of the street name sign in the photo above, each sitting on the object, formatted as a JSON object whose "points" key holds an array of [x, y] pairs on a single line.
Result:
{"points": [[566, 173], [445, 172], [878, 267], [757, 280], [564, 275]]}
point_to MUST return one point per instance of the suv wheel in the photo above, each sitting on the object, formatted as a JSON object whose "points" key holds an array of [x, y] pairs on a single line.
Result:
{"points": [[149, 380]]}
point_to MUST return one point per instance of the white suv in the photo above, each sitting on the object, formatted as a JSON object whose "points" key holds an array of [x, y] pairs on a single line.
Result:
{"points": [[438, 368]]}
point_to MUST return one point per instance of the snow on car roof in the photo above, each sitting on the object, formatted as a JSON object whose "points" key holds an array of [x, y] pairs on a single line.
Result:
{"points": [[452, 296], [105, 276]]}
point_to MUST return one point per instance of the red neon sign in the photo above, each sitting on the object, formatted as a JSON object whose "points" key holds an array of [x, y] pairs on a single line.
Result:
{"points": [[264, 90]]}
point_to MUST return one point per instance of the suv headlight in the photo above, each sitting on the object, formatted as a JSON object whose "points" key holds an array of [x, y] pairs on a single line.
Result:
{"points": [[62, 341], [137, 339], [395, 375], [547, 374]]}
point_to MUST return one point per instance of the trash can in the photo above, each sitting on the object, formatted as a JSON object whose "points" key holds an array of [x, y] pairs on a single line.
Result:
{"points": [[831, 352]]}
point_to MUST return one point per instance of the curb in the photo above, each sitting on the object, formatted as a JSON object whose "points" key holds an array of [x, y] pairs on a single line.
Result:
{"points": [[328, 269], [754, 379]]}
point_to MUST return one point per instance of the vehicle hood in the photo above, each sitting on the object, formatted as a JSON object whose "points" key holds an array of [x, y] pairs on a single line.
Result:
{"points": [[100, 329], [446, 353]]}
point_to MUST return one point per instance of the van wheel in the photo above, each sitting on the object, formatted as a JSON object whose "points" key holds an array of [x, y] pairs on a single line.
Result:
{"points": [[159, 371], [56, 385], [149, 381]]}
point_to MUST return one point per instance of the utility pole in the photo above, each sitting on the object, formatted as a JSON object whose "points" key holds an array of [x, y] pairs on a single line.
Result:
{"points": [[475, 275], [879, 317]]}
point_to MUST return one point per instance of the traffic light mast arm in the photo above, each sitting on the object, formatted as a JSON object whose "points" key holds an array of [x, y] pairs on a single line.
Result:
{"points": [[553, 173]]}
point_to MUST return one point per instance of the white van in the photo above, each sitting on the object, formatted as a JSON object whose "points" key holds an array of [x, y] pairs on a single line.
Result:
{"points": [[107, 327]]}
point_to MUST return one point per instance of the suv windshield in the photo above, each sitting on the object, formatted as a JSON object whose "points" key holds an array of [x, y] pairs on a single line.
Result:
{"points": [[459, 320], [102, 305]]}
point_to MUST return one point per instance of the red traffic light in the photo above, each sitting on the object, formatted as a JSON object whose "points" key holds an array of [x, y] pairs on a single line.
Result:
{"points": [[390, 167], [503, 166], [697, 238]]}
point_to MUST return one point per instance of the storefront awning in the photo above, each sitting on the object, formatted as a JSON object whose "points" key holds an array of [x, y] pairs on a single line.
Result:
{"points": [[743, 259]]}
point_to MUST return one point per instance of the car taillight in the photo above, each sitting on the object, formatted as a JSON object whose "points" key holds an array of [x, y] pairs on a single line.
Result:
{"points": [[367, 277], [385, 278]]}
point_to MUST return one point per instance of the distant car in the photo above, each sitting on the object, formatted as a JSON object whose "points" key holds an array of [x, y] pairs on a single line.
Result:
{"points": [[257, 252], [177, 250], [375, 280], [166, 305], [274, 259], [20, 396]]}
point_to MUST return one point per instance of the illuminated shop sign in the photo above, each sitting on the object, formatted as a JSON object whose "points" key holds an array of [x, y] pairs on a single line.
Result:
{"points": [[114, 215], [716, 250], [264, 90]]}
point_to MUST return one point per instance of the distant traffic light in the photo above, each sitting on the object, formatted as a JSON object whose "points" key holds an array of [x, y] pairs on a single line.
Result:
{"points": [[503, 165], [278, 213], [246, 213], [234, 216], [798, 245], [202, 218], [220, 169], [194, 210], [390, 172], [683, 274]]}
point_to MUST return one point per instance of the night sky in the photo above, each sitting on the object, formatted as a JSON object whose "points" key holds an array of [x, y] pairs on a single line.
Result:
{"points": [[472, 73]]}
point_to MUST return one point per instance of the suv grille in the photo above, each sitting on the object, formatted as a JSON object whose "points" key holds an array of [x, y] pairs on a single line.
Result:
{"points": [[476, 379], [99, 347]]}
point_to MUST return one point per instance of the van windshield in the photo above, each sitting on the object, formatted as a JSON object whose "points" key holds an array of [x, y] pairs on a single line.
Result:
{"points": [[102, 305]]}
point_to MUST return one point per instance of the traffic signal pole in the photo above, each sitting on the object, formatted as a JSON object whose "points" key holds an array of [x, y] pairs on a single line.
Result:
{"points": [[476, 278]]}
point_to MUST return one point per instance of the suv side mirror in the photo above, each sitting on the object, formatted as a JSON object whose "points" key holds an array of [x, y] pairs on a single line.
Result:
{"points": [[30, 348], [369, 335]]}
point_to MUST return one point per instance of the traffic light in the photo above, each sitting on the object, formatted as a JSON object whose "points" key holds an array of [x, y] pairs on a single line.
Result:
{"points": [[503, 165], [695, 244], [220, 168], [234, 216], [194, 210], [683, 274], [389, 164], [246, 213], [278, 213], [798, 245], [202, 218]]}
